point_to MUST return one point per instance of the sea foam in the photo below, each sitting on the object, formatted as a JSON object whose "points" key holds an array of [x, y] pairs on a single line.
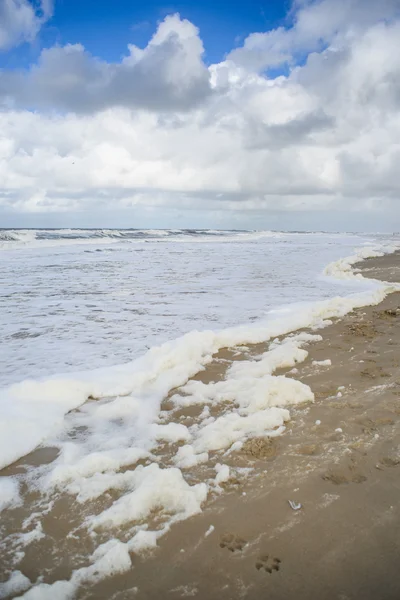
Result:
{"points": [[119, 408]]}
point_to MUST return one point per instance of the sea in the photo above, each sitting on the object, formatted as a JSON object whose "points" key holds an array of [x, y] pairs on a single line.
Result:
{"points": [[98, 327]]}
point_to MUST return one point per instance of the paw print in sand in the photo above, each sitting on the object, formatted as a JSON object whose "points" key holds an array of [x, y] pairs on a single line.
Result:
{"points": [[268, 563], [232, 542]]}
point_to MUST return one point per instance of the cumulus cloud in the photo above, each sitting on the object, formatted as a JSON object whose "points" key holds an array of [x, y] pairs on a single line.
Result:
{"points": [[162, 130], [21, 20], [316, 25], [168, 74]]}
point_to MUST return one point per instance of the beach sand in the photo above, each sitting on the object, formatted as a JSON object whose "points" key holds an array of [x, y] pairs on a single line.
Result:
{"points": [[339, 458], [344, 542]]}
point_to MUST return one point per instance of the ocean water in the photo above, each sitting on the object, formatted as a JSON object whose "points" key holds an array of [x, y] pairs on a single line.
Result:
{"points": [[77, 300], [121, 318]]}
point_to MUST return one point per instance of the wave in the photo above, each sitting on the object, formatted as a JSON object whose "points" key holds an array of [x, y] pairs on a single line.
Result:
{"points": [[22, 238], [27, 238], [17, 235]]}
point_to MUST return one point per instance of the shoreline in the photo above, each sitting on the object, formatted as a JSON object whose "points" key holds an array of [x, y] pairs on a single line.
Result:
{"points": [[344, 542], [248, 542]]}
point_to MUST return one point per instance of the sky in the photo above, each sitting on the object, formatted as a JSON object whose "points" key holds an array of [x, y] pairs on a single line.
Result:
{"points": [[248, 115]]}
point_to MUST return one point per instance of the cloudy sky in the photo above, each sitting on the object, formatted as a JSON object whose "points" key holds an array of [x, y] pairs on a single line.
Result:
{"points": [[273, 115]]}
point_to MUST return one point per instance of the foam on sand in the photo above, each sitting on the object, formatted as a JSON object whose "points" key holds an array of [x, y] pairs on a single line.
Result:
{"points": [[322, 363], [123, 426], [9, 492], [154, 488], [257, 399], [108, 559], [343, 268], [16, 584]]}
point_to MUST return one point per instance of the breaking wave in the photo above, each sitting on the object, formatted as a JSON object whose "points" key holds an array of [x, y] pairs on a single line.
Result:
{"points": [[20, 238]]}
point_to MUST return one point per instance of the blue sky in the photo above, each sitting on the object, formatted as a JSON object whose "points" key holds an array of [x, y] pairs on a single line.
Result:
{"points": [[105, 28]]}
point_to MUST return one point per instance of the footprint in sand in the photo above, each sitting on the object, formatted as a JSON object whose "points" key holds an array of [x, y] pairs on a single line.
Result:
{"points": [[268, 563], [233, 542], [340, 478], [308, 450], [370, 426], [260, 448], [389, 461], [374, 372], [232, 484]]}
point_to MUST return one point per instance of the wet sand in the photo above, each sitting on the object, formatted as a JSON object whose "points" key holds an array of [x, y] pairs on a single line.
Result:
{"points": [[344, 543], [339, 458]]}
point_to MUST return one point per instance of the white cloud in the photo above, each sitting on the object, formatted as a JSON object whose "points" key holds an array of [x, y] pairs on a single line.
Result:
{"points": [[166, 75], [162, 132], [20, 21], [316, 24]]}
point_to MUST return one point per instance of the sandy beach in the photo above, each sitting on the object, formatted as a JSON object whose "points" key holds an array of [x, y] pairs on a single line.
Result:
{"points": [[337, 462], [344, 542]]}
